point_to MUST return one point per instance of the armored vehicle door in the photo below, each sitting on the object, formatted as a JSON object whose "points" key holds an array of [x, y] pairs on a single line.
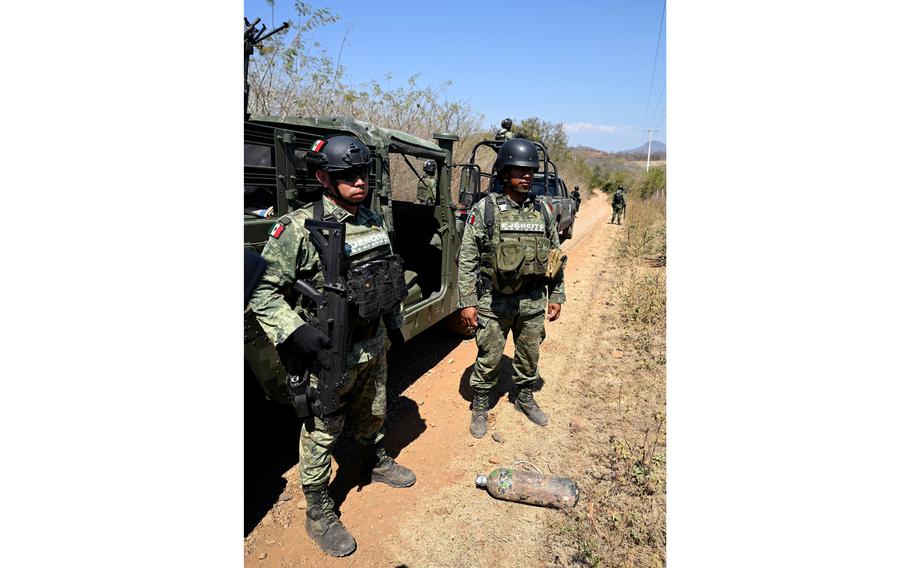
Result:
{"points": [[424, 234]]}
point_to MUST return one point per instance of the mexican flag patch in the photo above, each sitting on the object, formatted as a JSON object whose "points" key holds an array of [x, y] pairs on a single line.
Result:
{"points": [[471, 220], [317, 145], [277, 230]]}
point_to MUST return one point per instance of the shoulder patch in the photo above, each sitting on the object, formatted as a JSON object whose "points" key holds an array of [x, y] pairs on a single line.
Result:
{"points": [[279, 227], [471, 218]]}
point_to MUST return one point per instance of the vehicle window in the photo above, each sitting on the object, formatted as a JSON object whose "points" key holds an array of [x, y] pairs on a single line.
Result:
{"points": [[259, 181], [538, 187], [409, 181], [257, 155]]}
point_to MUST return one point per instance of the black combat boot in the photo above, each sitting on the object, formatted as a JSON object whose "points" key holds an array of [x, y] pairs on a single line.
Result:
{"points": [[383, 469], [479, 408], [525, 402], [323, 525]]}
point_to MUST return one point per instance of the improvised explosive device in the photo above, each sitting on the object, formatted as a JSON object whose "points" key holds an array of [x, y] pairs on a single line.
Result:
{"points": [[528, 487]]}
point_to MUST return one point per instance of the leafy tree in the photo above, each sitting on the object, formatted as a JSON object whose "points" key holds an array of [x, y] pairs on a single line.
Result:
{"points": [[616, 178], [550, 133], [654, 181], [292, 75], [597, 177]]}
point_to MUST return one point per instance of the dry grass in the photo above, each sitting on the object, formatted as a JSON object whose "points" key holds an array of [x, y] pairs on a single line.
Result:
{"points": [[645, 237], [621, 520]]}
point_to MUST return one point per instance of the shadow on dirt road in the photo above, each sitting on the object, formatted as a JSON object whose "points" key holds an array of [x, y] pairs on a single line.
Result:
{"points": [[504, 385], [271, 430]]}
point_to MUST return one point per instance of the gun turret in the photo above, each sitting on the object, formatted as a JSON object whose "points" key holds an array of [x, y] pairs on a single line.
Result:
{"points": [[252, 35]]}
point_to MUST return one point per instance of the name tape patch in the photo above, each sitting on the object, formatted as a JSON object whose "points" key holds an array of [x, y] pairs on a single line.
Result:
{"points": [[516, 226], [366, 242]]}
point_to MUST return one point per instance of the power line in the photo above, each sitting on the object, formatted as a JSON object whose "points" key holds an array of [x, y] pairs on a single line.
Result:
{"points": [[659, 101], [661, 116], [660, 33]]}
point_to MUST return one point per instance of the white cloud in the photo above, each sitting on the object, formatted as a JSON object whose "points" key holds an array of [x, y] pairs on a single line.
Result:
{"points": [[575, 127]]}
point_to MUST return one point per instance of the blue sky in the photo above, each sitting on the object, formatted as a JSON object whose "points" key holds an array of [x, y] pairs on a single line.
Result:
{"points": [[586, 64]]}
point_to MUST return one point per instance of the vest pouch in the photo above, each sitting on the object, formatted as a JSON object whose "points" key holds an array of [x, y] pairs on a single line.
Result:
{"points": [[390, 285], [377, 287], [537, 251], [543, 249], [510, 255], [361, 284]]}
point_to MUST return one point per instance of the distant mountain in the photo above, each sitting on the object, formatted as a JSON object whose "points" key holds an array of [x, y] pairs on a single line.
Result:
{"points": [[656, 147], [632, 160]]}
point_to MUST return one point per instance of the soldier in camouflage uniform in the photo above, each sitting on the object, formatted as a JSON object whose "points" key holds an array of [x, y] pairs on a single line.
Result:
{"points": [[619, 206], [576, 197], [508, 242], [342, 165], [505, 133], [426, 187]]}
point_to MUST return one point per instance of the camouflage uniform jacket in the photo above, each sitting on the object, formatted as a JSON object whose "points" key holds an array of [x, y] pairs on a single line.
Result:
{"points": [[475, 241], [426, 189], [292, 256]]}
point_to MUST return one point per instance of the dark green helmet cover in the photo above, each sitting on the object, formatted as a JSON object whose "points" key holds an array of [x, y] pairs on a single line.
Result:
{"points": [[517, 152]]}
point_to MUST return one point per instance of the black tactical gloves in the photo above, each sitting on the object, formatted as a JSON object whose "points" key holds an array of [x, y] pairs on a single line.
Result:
{"points": [[304, 347], [298, 353]]}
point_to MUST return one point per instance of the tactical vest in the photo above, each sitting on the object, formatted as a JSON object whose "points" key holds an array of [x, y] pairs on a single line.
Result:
{"points": [[518, 244], [374, 275]]}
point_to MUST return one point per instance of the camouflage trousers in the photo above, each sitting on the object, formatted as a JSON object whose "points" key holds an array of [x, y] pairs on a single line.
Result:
{"points": [[523, 314], [618, 212], [363, 398]]}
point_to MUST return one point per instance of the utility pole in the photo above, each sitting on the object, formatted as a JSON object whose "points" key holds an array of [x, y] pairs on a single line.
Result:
{"points": [[649, 131]]}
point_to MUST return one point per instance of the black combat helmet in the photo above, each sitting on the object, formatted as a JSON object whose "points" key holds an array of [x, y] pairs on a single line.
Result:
{"points": [[429, 167], [517, 152], [339, 153], [507, 123]]}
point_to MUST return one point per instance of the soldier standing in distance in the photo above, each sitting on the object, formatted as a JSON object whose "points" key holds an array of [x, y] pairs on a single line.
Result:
{"points": [[426, 187], [501, 284], [619, 205], [342, 165], [505, 133], [577, 198]]}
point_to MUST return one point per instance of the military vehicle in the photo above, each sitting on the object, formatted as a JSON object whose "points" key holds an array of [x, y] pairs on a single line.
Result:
{"points": [[276, 182], [425, 236], [564, 207], [546, 184]]}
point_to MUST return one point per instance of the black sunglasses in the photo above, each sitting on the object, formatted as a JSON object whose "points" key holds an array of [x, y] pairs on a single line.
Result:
{"points": [[352, 174]]}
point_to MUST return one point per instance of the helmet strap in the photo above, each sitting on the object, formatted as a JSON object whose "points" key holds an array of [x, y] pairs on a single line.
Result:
{"points": [[335, 194]]}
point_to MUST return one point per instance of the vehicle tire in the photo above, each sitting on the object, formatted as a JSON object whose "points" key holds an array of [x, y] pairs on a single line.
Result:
{"points": [[568, 232], [456, 326]]}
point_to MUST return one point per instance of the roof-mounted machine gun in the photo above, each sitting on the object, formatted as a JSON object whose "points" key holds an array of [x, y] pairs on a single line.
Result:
{"points": [[252, 35]]}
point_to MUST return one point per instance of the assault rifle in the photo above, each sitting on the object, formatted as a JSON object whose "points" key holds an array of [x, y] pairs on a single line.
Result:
{"points": [[332, 309]]}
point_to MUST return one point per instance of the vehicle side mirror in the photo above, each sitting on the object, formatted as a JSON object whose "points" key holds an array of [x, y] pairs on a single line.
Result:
{"points": [[470, 184]]}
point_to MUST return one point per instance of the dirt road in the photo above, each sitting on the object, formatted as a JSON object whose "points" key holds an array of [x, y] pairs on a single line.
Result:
{"points": [[444, 520]]}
